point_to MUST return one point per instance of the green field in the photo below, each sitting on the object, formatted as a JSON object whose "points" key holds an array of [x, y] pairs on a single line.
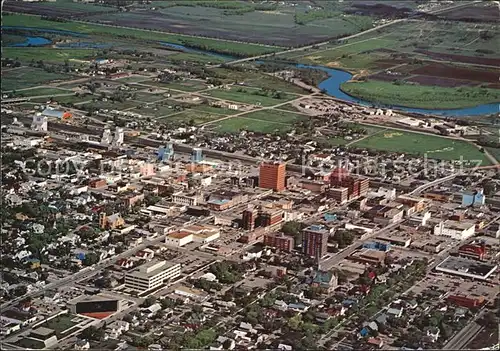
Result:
{"points": [[186, 85], [42, 91], [213, 109], [275, 116], [237, 124], [192, 117], [148, 97], [247, 97], [495, 152], [70, 99], [420, 96], [102, 32], [422, 144], [26, 77]]}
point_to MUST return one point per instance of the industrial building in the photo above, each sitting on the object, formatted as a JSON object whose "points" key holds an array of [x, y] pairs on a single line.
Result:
{"points": [[466, 268]]}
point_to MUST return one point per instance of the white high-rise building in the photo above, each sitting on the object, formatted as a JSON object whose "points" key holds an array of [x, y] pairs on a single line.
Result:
{"points": [[39, 124], [119, 136], [107, 137]]}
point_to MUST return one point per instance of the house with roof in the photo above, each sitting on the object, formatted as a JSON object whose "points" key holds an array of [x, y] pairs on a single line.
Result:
{"points": [[325, 280], [56, 113]]}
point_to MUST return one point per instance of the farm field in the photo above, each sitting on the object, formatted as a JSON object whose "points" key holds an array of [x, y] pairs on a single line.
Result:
{"points": [[213, 109], [434, 147], [446, 41], [26, 77], [420, 96], [247, 97], [479, 12], [67, 8], [70, 99], [147, 97], [237, 124], [276, 27], [106, 31]]}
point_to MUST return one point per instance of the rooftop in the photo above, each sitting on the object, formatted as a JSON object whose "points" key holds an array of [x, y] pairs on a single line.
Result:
{"points": [[152, 268]]}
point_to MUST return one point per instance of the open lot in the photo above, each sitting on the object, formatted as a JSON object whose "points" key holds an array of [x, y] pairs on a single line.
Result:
{"points": [[42, 91], [26, 77], [479, 12], [421, 144], [191, 117], [26, 55], [66, 8]]}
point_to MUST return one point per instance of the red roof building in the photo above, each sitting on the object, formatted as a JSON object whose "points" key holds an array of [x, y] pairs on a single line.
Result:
{"points": [[475, 251]]}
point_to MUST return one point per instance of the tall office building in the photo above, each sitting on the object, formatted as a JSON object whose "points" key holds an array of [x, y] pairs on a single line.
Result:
{"points": [[357, 186], [165, 153], [315, 241], [197, 155], [272, 176]]}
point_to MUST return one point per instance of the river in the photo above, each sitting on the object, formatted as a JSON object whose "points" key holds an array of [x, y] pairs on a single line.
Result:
{"points": [[331, 85]]}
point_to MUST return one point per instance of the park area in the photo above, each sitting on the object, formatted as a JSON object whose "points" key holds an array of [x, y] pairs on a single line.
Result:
{"points": [[433, 147]]}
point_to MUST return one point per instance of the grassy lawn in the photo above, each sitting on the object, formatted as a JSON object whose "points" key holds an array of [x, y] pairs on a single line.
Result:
{"points": [[111, 105], [247, 97], [48, 54], [237, 124], [26, 77], [495, 152], [213, 109], [420, 96], [156, 110], [42, 91], [132, 79], [422, 144], [139, 34], [148, 97], [196, 117], [275, 116]]}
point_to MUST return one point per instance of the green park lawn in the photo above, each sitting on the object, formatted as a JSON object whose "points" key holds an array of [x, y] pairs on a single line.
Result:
{"points": [[237, 124], [247, 96], [434, 147], [420, 96]]}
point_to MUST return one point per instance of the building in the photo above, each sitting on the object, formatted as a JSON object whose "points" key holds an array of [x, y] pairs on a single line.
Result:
{"points": [[440, 196], [466, 268], [454, 229], [270, 216], [191, 199], [368, 256], [473, 198], [466, 301], [272, 176], [315, 241], [119, 136], [97, 306], [39, 124], [477, 252], [179, 238], [110, 222], [357, 186], [416, 203], [107, 137], [165, 153], [248, 218], [279, 241], [197, 155], [326, 280], [224, 199], [340, 195], [152, 275], [55, 113]]}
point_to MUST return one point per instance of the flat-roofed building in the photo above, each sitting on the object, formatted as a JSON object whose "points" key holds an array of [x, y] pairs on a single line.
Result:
{"points": [[455, 229], [152, 275], [179, 238]]}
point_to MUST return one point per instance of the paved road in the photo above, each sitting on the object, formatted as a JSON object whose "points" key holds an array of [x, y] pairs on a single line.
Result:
{"points": [[465, 335]]}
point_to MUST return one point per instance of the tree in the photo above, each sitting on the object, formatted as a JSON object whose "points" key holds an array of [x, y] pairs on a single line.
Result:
{"points": [[93, 333], [90, 259]]}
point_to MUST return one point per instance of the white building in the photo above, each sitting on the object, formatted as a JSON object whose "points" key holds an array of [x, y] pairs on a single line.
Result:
{"points": [[39, 124], [119, 136], [179, 238], [454, 229], [152, 275], [107, 138]]}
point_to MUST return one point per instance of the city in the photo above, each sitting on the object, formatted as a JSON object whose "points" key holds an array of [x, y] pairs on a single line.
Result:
{"points": [[214, 193]]}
